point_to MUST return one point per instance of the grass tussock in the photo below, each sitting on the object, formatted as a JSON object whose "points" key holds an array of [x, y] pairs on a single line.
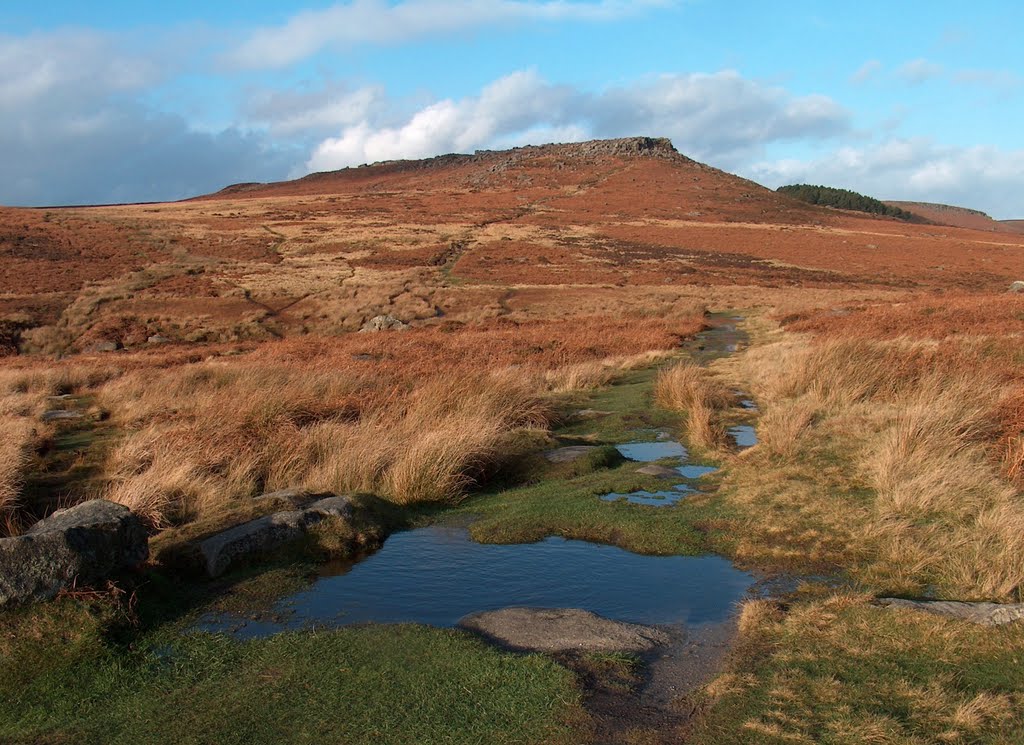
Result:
{"points": [[910, 435], [218, 433], [686, 387]]}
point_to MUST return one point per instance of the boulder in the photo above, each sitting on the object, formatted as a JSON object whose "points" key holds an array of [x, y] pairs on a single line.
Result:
{"points": [[157, 339], [986, 614], [562, 630], [267, 534], [77, 546], [1017, 287], [102, 346], [384, 323]]}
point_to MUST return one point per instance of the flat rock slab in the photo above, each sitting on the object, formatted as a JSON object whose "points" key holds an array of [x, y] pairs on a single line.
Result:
{"points": [[662, 472], [569, 454], [61, 414], [76, 546], [986, 614], [267, 534], [562, 630]]}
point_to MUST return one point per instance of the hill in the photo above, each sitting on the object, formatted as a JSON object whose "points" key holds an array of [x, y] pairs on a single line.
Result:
{"points": [[539, 231]]}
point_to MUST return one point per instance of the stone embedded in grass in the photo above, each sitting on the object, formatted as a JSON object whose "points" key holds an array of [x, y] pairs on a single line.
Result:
{"points": [[56, 415], [662, 472], [570, 453], [562, 630], [986, 614], [268, 534], [76, 546]]}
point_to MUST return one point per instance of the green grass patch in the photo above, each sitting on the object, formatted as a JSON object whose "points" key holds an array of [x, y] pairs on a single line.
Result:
{"points": [[62, 678], [572, 508]]}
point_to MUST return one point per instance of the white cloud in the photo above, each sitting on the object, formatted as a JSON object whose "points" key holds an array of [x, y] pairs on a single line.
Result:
{"points": [[76, 130], [919, 71], [377, 22], [981, 177], [866, 71], [722, 117]]}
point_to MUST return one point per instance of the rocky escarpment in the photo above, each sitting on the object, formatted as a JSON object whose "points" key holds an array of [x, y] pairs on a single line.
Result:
{"points": [[78, 546], [498, 160]]}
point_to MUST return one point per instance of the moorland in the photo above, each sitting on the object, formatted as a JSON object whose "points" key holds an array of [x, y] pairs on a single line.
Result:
{"points": [[421, 335]]}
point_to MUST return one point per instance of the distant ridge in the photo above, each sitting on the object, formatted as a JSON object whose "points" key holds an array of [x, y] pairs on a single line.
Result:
{"points": [[958, 217]]}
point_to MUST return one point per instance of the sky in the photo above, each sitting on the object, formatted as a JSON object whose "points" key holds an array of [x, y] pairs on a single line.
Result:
{"points": [[126, 101]]}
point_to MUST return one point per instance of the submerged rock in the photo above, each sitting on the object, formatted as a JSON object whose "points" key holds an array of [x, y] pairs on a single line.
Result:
{"points": [[569, 454], [76, 546], [986, 614], [562, 630], [267, 534]]}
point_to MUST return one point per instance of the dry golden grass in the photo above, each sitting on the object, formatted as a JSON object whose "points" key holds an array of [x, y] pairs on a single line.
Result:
{"points": [[221, 431], [685, 387], [915, 425]]}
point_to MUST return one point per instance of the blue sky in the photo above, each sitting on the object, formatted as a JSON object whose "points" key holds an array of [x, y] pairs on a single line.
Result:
{"points": [[120, 101]]}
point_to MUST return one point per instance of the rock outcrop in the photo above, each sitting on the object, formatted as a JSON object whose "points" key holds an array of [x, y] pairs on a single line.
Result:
{"points": [[77, 546], [562, 630]]}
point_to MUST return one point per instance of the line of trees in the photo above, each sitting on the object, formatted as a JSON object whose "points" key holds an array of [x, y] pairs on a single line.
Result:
{"points": [[845, 199]]}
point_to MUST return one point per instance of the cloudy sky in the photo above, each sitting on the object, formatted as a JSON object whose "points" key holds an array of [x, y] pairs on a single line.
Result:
{"points": [[117, 101]]}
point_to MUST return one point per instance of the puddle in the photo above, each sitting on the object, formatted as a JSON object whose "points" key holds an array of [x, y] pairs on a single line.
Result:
{"points": [[646, 452], [652, 498], [695, 472], [721, 340], [747, 404], [437, 575], [744, 435]]}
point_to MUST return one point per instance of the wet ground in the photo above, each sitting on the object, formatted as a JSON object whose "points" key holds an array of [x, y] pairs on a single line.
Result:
{"points": [[436, 575]]}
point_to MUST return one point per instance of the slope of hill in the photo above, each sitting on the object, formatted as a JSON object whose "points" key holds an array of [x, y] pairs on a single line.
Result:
{"points": [[560, 229], [961, 217]]}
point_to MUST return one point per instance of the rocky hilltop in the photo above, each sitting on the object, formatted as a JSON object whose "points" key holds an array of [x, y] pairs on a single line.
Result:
{"points": [[556, 154]]}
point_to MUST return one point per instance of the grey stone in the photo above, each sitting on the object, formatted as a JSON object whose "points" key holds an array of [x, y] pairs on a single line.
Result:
{"points": [[662, 472], [158, 339], [562, 630], [61, 414], [384, 323], [267, 534], [585, 414], [1017, 286], [80, 545], [986, 614], [569, 454], [102, 346]]}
